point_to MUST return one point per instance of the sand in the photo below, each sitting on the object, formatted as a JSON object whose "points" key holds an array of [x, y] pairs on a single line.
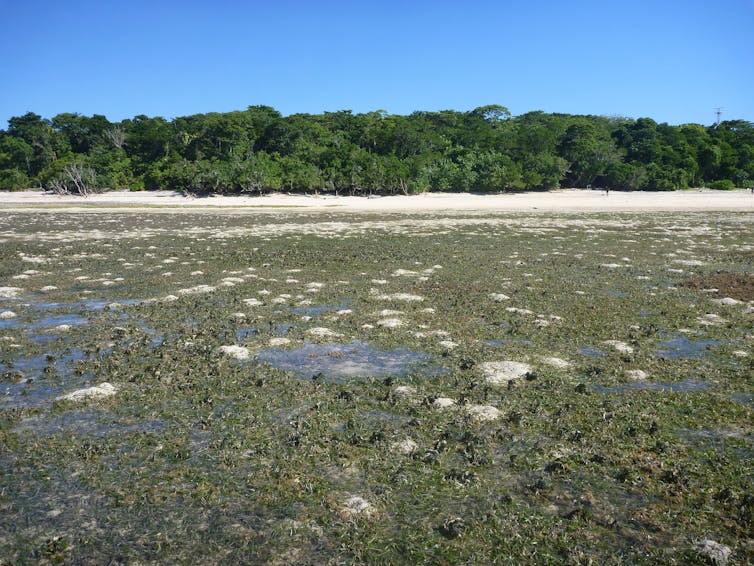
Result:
{"points": [[567, 200]]}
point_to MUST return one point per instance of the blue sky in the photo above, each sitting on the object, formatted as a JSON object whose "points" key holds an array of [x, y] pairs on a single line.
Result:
{"points": [[673, 61]]}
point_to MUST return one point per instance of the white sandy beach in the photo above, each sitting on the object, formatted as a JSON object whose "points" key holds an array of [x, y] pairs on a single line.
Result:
{"points": [[566, 200]]}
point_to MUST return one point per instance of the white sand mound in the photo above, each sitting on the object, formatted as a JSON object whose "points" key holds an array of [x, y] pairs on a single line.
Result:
{"points": [[711, 319], [500, 373], [6, 315], [404, 392], [403, 273], [713, 551], [636, 374], [389, 312], [483, 413], [619, 346], [197, 290], [728, 301], [356, 506], [9, 292], [390, 323], [517, 310], [557, 363], [322, 332], [443, 403], [406, 447], [97, 392], [33, 259], [689, 262], [237, 352], [405, 297]]}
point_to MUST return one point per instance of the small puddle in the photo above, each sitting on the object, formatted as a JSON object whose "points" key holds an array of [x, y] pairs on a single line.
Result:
{"points": [[662, 284], [316, 310], [45, 322], [58, 320], [617, 294], [734, 441], [100, 304], [681, 386], [745, 398], [280, 329], [155, 338], [592, 352], [681, 348], [87, 304], [355, 359], [9, 323], [35, 388], [499, 343], [72, 317], [85, 421], [246, 332]]}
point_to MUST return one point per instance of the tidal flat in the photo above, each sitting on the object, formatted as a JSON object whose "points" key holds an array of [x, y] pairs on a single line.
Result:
{"points": [[325, 387]]}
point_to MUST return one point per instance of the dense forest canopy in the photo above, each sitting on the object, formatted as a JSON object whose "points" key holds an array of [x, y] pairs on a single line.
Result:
{"points": [[259, 150]]}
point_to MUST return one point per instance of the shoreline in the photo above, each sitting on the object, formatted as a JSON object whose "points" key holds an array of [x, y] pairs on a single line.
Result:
{"points": [[563, 200]]}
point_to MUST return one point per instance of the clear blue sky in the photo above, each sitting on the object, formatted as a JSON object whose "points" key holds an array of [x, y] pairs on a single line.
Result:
{"points": [[671, 60]]}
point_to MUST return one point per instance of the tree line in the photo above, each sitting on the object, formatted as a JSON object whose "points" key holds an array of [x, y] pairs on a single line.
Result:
{"points": [[258, 150]]}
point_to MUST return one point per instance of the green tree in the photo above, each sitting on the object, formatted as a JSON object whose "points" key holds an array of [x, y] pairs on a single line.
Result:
{"points": [[83, 133], [587, 153], [39, 134]]}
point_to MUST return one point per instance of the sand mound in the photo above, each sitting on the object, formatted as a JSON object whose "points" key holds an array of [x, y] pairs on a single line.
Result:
{"points": [[97, 392], [500, 373]]}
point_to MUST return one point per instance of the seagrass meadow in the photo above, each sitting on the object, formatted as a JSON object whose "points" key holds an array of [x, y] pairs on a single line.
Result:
{"points": [[294, 387]]}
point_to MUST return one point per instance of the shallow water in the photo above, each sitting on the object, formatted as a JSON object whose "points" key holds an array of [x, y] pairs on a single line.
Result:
{"points": [[72, 314], [592, 352], [746, 398], [688, 385], [57, 320], [100, 304], [36, 387], [44, 322], [500, 343], [681, 348], [355, 359], [730, 441], [316, 310], [87, 421], [246, 332], [618, 294]]}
